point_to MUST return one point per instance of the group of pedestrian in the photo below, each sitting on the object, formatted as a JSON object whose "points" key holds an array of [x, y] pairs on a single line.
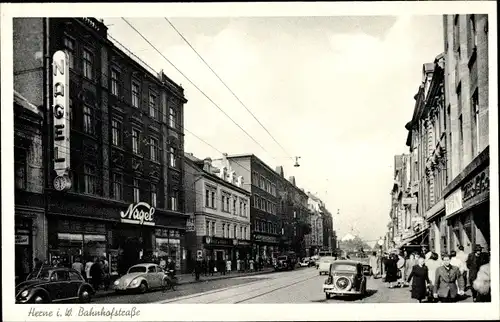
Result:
{"points": [[445, 279]]}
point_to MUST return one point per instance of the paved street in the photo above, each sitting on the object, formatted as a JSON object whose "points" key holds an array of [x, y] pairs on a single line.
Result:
{"points": [[299, 286]]}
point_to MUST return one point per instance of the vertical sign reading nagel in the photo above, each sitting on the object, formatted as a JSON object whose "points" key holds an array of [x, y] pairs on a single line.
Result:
{"points": [[60, 110]]}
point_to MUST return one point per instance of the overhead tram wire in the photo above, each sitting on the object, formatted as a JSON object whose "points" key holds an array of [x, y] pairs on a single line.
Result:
{"points": [[227, 87], [192, 83]]}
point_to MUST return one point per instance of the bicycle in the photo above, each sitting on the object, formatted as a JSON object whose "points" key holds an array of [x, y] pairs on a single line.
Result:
{"points": [[169, 282]]}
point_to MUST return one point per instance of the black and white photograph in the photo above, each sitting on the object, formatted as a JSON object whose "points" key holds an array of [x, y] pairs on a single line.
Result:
{"points": [[297, 153]]}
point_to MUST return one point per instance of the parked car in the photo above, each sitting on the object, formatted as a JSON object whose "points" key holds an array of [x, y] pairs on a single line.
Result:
{"points": [[305, 262], [142, 277], [345, 278], [324, 264], [54, 285], [367, 270]]}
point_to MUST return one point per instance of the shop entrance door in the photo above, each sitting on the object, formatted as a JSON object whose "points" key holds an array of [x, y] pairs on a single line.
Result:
{"points": [[219, 255], [482, 222]]}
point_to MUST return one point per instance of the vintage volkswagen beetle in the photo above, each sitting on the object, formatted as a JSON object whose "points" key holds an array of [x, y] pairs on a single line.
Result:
{"points": [[141, 277], [51, 284], [345, 278]]}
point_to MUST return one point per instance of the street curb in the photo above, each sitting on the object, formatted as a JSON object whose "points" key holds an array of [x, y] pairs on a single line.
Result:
{"points": [[112, 293]]}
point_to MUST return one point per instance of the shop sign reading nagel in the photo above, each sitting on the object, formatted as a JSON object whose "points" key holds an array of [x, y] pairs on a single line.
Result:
{"points": [[140, 213], [60, 111]]}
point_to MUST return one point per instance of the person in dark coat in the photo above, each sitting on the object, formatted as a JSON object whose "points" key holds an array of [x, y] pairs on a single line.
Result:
{"points": [[204, 266], [211, 266], [96, 274], [197, 268], [419, 276], [391, 270], [474, 262]]}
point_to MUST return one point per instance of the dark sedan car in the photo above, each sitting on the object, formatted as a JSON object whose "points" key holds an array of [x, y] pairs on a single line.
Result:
{"points": [[345, 278], [54, 285]]}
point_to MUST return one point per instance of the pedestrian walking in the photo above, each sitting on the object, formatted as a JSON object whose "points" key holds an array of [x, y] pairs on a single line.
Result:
{"points": [[462, 256], [401, 270], [419, 277], [448, 281], [474, 262], [211, 266], [197, 268], [410, 262], [228, 266], [432, 264], [88, 266], [391, 267], [96, 274], [482, 283], [455, 261], [374, 264], [78, 266]]}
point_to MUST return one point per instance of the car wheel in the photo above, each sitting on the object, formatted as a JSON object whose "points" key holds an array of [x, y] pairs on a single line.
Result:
{"points": [[85, 295], [40, 299], [143, 288]]}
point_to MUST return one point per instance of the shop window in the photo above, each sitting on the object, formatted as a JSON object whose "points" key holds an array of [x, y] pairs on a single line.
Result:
{"points": [[20, 158]]}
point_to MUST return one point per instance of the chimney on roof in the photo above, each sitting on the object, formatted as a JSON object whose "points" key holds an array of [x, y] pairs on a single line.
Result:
{"points": [[292, 180], [207, 164], [279, 170]]}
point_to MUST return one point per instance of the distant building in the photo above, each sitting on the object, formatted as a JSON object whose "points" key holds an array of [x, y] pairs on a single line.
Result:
{"points": [[221, 210], [314, 241]]}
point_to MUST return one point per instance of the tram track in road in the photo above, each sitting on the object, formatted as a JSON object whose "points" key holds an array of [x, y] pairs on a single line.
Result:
{"points": [[274, 290]]}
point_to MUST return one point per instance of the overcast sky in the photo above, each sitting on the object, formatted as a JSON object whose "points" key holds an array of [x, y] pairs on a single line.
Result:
{"points": [[336, 91]]}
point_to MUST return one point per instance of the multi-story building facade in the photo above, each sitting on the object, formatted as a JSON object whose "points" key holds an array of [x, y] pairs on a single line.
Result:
{"points": [[327, 228], [466, 196], [121, 149], [30, 221], [314, 241], [261, 181], [221, 209]]}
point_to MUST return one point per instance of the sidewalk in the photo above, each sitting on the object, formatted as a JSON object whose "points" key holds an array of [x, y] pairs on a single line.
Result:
{"points": [[190, 279]]}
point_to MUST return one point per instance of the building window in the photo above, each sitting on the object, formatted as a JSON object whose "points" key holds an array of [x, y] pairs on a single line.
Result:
{"points": [[154, 149], [228, 231], [255, 178], [207, 228], [207, 198], [235, 231], [116, 132], [223, 230], [172, 117], [115, 76], [241, 208], [475, 123], [88, 120], [235, 208], [20, 157], [152, 105], [213, 228], [117, 186], [154, 190], [172, 159], [213, 199], [135, 141], [244, 209], [90, 179], [69, 44], [135, 94], [137, 191], [241, 233], [88, 64], [174, 200]]}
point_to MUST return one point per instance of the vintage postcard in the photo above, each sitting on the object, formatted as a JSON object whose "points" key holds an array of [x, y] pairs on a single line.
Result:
{"points": [[319, 161]]}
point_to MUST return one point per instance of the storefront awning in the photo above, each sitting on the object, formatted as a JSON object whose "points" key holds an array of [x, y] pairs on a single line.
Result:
{"points": [[411, 239]]}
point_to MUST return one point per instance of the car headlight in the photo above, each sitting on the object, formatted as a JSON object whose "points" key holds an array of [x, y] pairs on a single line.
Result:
{"points": [[25, 293], [116, 282]]}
